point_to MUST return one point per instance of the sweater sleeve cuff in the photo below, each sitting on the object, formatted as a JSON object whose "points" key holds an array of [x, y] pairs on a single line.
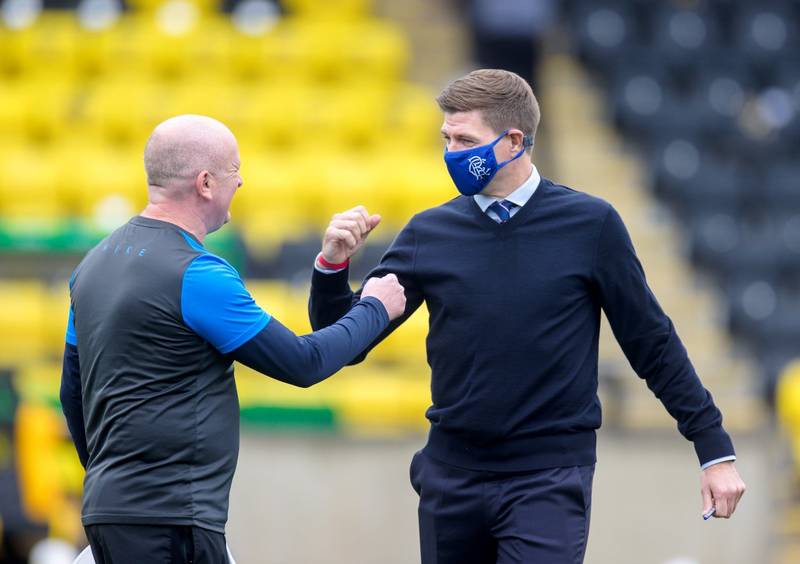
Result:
{"points": [[331, 283], [379, 307], [712, 444]]}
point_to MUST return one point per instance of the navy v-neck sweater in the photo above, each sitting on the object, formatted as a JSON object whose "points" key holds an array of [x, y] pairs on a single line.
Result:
{"points": [[514, 325]]}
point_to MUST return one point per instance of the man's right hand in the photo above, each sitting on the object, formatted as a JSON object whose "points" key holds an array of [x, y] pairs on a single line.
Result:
{"points": [[389, 291], [346, 234]]}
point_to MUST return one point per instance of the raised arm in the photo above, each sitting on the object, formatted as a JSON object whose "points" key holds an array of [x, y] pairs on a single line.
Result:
{"points": [[216, 305], [305, 360], [331, 296]]}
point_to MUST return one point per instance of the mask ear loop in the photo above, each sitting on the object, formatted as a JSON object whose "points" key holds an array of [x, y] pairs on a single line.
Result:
{"points": [[527, 142]]}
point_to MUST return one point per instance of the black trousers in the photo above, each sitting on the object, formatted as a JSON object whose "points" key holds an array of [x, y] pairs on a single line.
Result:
{"points": [[156, 544], [475, 517]]}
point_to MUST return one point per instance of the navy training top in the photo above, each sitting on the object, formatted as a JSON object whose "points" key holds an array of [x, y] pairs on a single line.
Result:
{"points": [[147, 388]]}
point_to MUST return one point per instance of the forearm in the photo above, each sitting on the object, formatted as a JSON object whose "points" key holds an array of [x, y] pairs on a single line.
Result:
{"points": [[330, 298], [662, 361], [308, 359], [72, 403]]}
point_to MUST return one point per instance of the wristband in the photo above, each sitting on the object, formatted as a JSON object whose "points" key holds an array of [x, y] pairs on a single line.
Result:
{"points": [[325, 264]]}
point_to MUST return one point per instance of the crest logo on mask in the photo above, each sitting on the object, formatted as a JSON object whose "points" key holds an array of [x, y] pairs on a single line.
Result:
{"points": [[476, 167]]}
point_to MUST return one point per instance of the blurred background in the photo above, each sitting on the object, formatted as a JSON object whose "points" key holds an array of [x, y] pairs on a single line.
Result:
{"points": [[684, 114]]}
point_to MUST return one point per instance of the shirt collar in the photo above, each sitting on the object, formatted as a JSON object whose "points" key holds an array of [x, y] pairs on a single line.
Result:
{"points": [[520, 196]]}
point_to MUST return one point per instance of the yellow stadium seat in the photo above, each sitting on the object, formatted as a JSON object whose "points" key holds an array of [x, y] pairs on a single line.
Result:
{"points": [[421, 183], [170, 43], [262, 56], [788, 398], [347, 180], [12, 99], [112, 187], [17, 50], [373, 401], [376, 49], [284, 302], [149, 6], [216, 99], [23, 315], [273, 187], [56, 37], [276, 111], [46, 112], [124, 110], [95, 52], [29, 184], [272, 296], [407, 344], [414, 118], [352, 115], [329, 9], [38, 431]]}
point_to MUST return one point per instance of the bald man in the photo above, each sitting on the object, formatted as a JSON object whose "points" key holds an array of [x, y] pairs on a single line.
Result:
{"points": [[155, 323]]}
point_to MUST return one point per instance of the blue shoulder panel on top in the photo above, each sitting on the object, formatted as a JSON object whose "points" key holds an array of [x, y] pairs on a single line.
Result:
{"points": [[71, 337], [192, 243], [216, 305]]}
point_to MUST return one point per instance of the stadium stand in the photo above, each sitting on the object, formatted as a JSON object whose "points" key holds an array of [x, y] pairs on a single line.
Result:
{"points": [[707, 93]]}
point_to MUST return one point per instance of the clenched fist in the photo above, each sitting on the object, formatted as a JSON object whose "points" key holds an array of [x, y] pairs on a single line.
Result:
{"points": [[389, 291], [346, 234]]}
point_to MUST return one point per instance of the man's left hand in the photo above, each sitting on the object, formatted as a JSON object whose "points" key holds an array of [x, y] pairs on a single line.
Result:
{"points": [[721, 488]]}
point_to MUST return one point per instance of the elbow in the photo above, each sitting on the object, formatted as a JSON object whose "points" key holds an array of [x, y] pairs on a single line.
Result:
{"points": [[311, 378], [299, 376], [304, 383], [358, 360]]}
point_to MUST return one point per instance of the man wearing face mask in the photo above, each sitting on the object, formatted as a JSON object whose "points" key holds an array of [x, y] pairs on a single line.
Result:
{"points": [[514, 273]]}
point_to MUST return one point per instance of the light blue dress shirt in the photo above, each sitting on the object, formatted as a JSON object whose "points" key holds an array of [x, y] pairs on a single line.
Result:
{"points": [[520, 196]]}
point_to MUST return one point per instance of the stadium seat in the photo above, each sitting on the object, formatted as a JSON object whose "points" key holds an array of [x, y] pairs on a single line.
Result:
{"points": [[15, 51], [123, 110], [330, 9], [29, 184], [413, 119], [683, 34], [151, 6], [112, 188], [23, 315], [765, 30], [782, 185], [47, 107], [719, 90], [604, 31]]}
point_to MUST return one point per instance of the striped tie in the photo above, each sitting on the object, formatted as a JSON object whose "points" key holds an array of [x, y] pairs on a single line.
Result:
{"points": [[503, 210]]}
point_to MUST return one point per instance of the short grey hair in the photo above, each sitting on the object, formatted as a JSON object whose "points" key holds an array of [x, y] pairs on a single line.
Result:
{"points": [[182, 147]]}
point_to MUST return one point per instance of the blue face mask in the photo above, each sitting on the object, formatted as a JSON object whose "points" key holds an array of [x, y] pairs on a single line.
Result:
{"points": [[473, 169]]}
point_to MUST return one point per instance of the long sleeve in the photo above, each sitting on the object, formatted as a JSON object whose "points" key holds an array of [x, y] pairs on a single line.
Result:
{"points": [[331, 296], [71, 400], [308, 359], [651, 344]]}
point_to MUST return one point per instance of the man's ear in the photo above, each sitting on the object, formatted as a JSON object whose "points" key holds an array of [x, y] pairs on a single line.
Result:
{"points": [[517, 140], [202, 184]]}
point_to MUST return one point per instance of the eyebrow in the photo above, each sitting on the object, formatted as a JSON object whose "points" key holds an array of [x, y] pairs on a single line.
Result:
{"points": [[460, 136]]}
